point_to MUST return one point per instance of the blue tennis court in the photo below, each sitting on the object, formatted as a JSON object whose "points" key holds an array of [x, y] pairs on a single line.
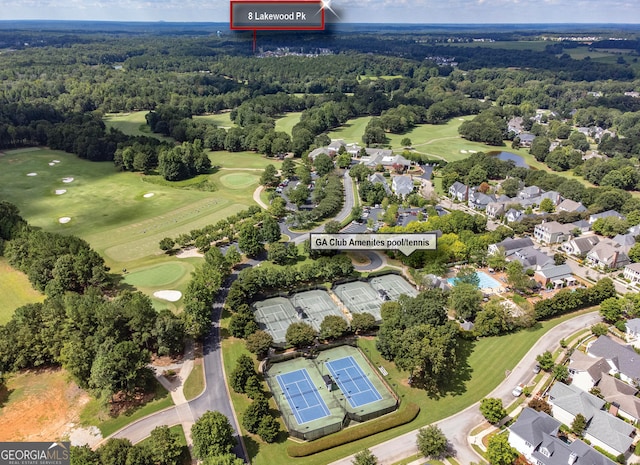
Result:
{"points": [[353, 382], [302, 396]]}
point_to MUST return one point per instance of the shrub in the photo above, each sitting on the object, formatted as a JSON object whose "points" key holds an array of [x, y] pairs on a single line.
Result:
{"points": [[355, 433]]}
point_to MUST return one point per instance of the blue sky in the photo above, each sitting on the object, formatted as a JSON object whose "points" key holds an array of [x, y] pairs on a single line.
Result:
{"points": [[389, 11]]}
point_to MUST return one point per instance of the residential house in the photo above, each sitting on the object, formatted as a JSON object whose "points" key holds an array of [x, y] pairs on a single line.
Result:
{"points": [[385, 158], [609, 213], [335, 145], [626, 241], [582, 225], [535, 436], [634, 230], [513, 215], [571, 206], [321, 150], [632, 272], [526, 139], [515, 125], [402, 185], [532, 258], [529, 192], [552, 232], [580, 246], [378, 178], [622, 360], [622, 398], [459, 192], [603, 429], [632, 335], [510, 245], [556, 276], [608, 254], [586, 371], [479, 201], [554, 196], [494, 209]]}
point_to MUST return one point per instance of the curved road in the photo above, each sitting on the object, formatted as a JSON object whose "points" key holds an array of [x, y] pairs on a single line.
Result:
{"points": [[458, 426], [215, 395]]}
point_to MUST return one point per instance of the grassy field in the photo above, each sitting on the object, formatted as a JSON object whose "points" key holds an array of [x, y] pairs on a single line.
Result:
{"points": [[15, 290], [288, 121], [108, 208], [132, 124], [352, 130], [479, 373], [242, 160], [222, 120]]}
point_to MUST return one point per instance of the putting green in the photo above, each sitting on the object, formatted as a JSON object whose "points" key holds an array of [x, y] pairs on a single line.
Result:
{"points": [[238, 180], [155, 276]]}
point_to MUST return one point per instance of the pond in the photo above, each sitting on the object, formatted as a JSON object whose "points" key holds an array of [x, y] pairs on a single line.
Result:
{"points": [[517, 159]]}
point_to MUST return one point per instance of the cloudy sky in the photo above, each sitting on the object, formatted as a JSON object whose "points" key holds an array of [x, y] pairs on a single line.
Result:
{"points": [[377, 11]]}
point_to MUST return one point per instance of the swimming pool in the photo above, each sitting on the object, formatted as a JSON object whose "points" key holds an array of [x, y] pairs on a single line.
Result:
{"points": [[486, 281]]}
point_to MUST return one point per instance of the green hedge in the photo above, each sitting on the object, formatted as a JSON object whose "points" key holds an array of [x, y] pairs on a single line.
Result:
{"points": [[348, 435]]}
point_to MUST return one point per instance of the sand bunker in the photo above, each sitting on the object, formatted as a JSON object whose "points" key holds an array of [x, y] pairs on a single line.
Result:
{"points": [[32, 174], [64, 219], [463, 151], [188, 253], [61, 191], [52, 164], [171, 296], [149, 194], [473, 151], [55, 161], [67, 180]]}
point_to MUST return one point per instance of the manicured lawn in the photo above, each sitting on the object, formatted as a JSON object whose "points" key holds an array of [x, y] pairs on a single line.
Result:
{"points": [[132, 124], [109, 208], [288, 121], [479, 373], [239, 180], [222, 120], [155, 276], [94, 413], [242, 160], [194, 384], [15, 290], [352, 130]]}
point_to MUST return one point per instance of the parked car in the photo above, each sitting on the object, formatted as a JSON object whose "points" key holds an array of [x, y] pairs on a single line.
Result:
{"points": [[517, 391], [536, 369]]}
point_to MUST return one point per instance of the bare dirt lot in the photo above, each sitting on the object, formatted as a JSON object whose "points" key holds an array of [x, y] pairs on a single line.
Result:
{"points": [[40, 405]]}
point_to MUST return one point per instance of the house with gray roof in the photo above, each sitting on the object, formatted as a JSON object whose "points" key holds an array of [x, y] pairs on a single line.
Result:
{"points": [[571, 206], [582, 225], [321, 150], [556, 276], [335, 145], [532, 258], [608, 254], [535, 436], [529, 192], [622, 360], [603, 429], [402, 185], [586, 371], [632, 272], [622, 398], [609, 213], [513, 215], [632, 326], [495, 209], [580, 246], [459, 192], [479, 201], [384, 157], [634, 230], [378, 178], [510, 245], [552, 232], [626, 241], [526, 139]]}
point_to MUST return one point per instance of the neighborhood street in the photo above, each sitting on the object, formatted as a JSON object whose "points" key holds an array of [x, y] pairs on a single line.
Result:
{"points": [[457, 427]]}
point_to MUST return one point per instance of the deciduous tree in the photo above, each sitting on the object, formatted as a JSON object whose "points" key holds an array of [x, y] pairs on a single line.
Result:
{"points": [[212, 435], [432, 443]]}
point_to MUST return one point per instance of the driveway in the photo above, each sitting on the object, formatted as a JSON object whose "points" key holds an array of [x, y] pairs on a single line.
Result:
{"points": [[458, 426]]}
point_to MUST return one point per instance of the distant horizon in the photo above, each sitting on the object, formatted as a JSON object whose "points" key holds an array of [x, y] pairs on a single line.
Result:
{"points": [[410, 12]]}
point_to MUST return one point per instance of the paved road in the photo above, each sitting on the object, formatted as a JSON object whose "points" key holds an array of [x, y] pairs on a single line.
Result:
{"points": [[458, 426], [349, 202], [215, 395]]}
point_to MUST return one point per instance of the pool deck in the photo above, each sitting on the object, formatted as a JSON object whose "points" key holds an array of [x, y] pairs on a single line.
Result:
{"points": [[499, 277]]}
